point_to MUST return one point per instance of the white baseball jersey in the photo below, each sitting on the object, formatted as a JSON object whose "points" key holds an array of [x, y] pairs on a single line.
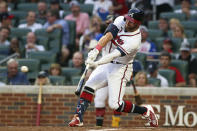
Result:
{"points": [[116, 75], [127, 42]]}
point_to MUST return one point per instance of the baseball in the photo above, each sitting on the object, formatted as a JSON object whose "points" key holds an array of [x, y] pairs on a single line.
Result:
{"points": [[24, 69]]}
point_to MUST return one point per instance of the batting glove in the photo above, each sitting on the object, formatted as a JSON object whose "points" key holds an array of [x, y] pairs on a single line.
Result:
{"points": [[91, 63], [93, 54]]}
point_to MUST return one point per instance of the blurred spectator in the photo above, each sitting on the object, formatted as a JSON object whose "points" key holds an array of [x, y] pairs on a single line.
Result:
{"points": [[165, 59], [94, 32], [89, 2], [186, 8], [167, 45], [55, 23], [179, 32], [142, 4], [3, 7], [173, 23], [82, 20], [31, 22], [192, 63], [102, 8], [194, 49], [137, 66], [2, 84], [42, 79], [119, 7], [4, 34], [138, 4], [163, 6], [146, 46], [31, 44], [163, 26], [78, 61], [55, 5], [14, 77], [14, 46], [141, 79], [55, 70], [110, 19], [6, 20], [42, 11], [153, 73]]}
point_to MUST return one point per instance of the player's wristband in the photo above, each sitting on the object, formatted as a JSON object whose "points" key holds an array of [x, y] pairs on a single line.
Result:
{"points": [[99, 47]]}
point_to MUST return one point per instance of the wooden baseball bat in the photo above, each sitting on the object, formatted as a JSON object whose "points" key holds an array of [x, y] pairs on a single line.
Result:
{"points": [[81, 82], [137, 96], [39, 103]]}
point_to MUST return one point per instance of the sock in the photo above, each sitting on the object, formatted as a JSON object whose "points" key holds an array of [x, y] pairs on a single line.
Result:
{"points": [[128, 107], [100, 112], [139, 109], [84, 101], [117, 113]]}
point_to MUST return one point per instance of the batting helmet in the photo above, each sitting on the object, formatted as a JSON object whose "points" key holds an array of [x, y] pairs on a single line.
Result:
{"points": [[135, 15]]}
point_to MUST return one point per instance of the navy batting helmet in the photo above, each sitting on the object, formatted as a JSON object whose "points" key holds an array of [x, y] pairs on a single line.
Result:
{"points": [[135, 15]]}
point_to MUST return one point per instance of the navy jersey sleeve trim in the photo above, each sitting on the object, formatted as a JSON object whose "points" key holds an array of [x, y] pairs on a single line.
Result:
{"points": [[113, 29], [122, 52]]}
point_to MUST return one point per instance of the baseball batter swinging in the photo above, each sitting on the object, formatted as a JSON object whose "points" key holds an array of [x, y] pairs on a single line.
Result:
{"points": [[120, 44]]}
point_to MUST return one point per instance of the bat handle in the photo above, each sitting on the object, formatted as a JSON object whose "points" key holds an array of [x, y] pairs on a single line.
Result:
{"points": [[77, 93], [134, 88], [87, 66]]}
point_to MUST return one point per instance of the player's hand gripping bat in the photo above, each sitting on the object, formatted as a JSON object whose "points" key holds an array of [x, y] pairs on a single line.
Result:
{"points": [[81, 82], [138, 99]]}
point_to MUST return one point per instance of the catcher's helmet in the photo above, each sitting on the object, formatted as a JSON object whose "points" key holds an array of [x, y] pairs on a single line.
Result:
{"points": [[135, 15]]}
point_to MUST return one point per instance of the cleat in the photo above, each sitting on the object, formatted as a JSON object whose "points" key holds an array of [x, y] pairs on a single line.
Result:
{"points": [[150, 115], [75, 122]]}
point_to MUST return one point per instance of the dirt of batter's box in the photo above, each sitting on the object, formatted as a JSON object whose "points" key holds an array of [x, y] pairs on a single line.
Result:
{"points": [[51, 128]]}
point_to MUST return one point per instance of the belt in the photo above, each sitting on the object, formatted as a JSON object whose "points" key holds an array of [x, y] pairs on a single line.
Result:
{"points": [[116, 62]]}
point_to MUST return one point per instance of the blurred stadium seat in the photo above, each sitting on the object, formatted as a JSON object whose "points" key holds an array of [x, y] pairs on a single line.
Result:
{"points": [[142, 58], [3, 69], [56, 34], [19, 32], [170, 15], [153, 24], [189, 25], [75, 80], [32, 64], [154, 33], [4, 50], [72, 33], [27, 7], [88, 8], [182, 66], [169, 75], [45, 57], [69, 72], [57, 80], [154, 81]]}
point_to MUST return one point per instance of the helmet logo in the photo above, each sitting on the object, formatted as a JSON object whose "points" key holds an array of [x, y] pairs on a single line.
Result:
{"points": [[131, 15]]}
